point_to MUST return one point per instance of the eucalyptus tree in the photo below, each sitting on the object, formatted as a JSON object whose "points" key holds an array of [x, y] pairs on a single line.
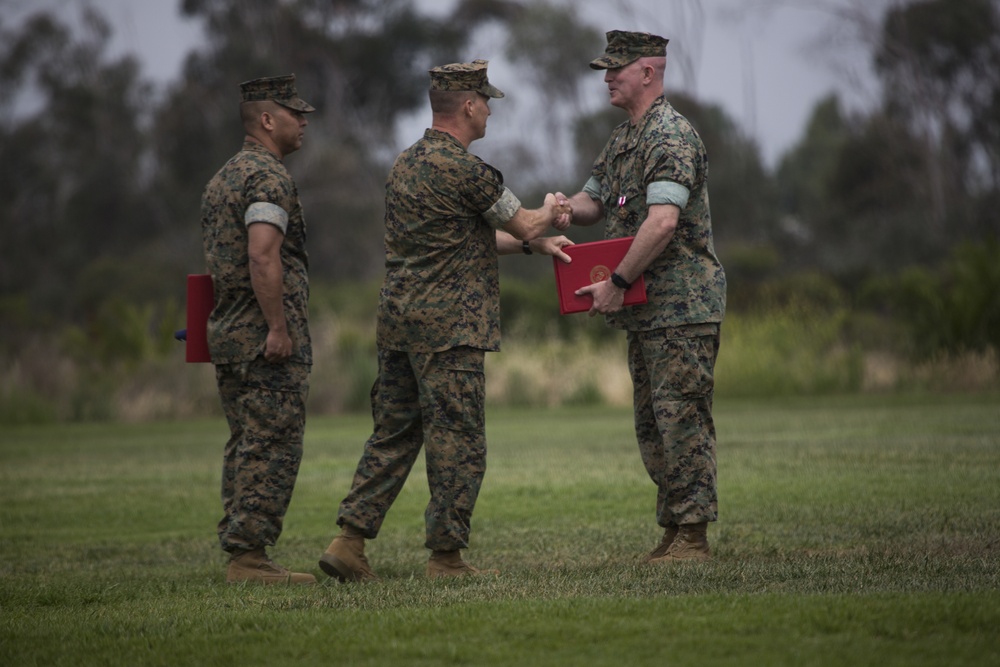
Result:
{"points": [[73, 157]]}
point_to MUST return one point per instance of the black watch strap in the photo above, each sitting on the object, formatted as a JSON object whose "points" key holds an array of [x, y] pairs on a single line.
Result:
{"points": [[525, 247], [619, 281]]}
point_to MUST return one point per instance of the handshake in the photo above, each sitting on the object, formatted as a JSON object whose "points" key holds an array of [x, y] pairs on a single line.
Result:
{"points": [[561, 210]]}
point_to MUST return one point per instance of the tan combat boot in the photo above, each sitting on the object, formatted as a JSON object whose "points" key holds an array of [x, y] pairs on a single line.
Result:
{"points": [[254, 566], [690, 545], [661, 549], [450, 564], [345, 557]]}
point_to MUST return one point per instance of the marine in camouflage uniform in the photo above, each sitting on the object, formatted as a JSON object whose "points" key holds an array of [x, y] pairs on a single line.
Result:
{"points": [[438, 314], [263, 398], [657, 158]]}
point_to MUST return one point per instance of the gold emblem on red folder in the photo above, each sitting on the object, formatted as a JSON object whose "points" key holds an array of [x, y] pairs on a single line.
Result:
{"points": [[599, 273]]}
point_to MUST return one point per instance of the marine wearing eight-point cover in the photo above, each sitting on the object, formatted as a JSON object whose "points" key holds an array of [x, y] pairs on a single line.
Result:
{"points": [[460, 77], [662, 160], [673, 339], [264, 402], [438, 314], [280, 89], [236, 328]]}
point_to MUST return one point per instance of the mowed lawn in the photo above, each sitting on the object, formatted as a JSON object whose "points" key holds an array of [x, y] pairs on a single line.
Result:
{"points": [[853, 531]]}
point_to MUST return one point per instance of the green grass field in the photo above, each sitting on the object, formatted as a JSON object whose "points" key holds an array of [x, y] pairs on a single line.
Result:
{"points": [[853, 531]]}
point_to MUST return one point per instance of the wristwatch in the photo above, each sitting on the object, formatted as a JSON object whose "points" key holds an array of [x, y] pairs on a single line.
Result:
{"points": [[620, 282], [525, 247]]}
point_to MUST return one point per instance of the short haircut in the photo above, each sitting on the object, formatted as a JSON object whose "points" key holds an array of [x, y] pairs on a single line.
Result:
{"points": [[250, 112], [658, 63], [448, 102]]}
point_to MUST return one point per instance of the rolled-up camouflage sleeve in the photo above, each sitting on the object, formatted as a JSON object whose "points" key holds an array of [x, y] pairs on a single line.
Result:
{"points": [[503, 210], [666, 192], [267, 212]]}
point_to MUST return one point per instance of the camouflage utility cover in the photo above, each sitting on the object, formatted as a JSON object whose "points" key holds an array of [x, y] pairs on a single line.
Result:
{"points": [[686, 283], [237, 330], [626, 47], [442, 285], [280, 89], [464, 77]]}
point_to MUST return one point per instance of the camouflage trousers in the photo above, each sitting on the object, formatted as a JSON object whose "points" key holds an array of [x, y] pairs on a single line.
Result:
{"points": [[264, 404], [673, 385], [436, 401]]}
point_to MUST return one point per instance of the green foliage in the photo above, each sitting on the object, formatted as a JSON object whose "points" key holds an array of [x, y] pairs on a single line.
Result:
{"points": [[134, 280], [25, 406], [954, 309], [803, 181], [69, 193], [748, 265], [21, 322], [530, 310], [123, 333], [357, 369], [876, 211], [843, 539], [590, 134], [859, 193], [787, 336], [96, 235], [792, 351], [904, 183], [806, 170], [742, 192], [92, 398], [587, 393], [810, 290], [363, 65], [349, 301], [554, 63], [342, 324], [521, 392], [940, 61], [755, 290]]}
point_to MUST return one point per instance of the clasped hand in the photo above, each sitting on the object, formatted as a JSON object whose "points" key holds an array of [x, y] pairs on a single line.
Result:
{"points": [[562, 209]]}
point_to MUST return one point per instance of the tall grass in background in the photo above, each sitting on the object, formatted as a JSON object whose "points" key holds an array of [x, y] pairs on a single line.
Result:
{"points": [[127, 367], [788, 352]]}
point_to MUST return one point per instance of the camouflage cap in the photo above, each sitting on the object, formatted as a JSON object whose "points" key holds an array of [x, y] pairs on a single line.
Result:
{"points": [[280, 89], [464, 76], [626, 47]]}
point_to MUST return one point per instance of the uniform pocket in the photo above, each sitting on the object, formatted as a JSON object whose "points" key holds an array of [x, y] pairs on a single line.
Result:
{"points": [[457, 390]]}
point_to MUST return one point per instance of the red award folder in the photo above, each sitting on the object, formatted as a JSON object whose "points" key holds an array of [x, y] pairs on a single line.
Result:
{"points": [[592, 263], [200, 301]]}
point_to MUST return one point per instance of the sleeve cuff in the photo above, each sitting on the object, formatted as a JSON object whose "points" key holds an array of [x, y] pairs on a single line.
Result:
{"points": [[667, 192], [266, 212], [503, 210]]}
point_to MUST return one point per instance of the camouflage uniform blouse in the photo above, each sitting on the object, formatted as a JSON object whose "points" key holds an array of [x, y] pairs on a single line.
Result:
{"points": [[237, 329], [442, 285], [661, 160]]}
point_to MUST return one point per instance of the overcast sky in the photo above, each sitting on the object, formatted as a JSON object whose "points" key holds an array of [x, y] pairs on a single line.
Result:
{"points": [[765, 62]]}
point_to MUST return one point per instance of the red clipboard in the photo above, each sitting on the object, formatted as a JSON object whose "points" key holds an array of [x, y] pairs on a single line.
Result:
{"points": [[592, 263], [200, 301]]}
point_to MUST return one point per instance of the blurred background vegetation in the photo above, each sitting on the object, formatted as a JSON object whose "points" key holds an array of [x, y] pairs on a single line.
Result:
{"points": [[867, 260]]}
